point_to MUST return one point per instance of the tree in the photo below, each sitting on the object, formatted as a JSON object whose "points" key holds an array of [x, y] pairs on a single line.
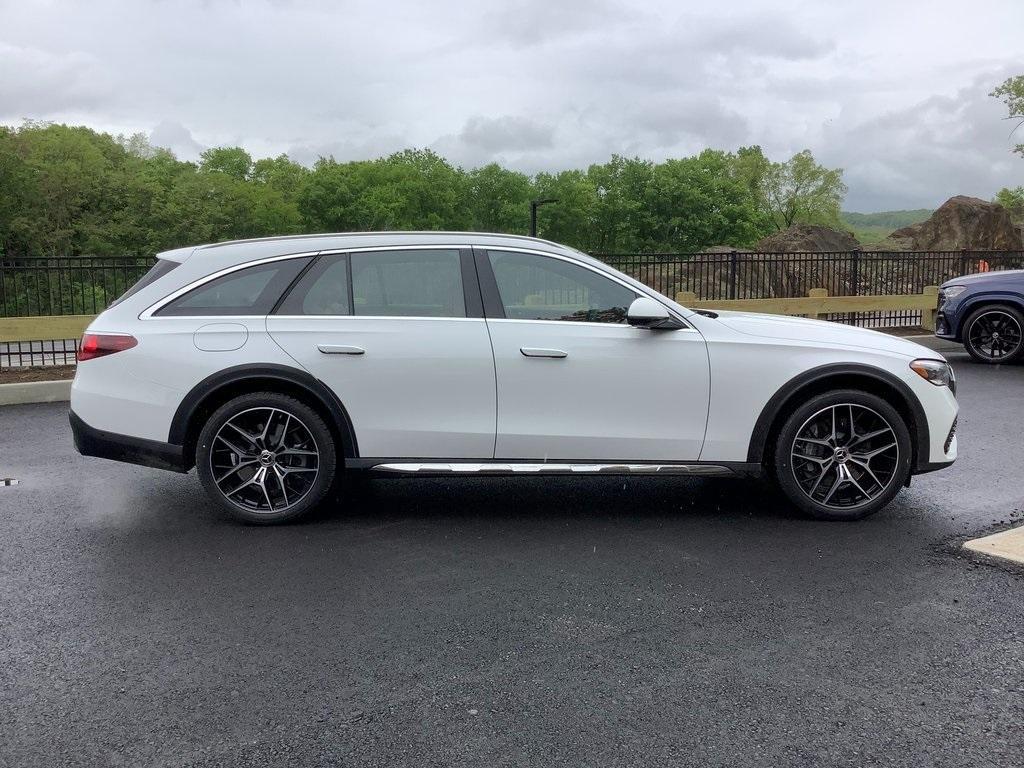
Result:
{"points": [[700, 201], [498, 200], [280, 173], [622, 218], [413, 189], [1012, 94], [68, 191], [571, 219], [1013, 201], [801, 191], [232, 161]]}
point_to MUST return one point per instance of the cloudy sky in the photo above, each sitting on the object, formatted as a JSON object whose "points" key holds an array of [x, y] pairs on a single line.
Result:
{"points": [[894, 91]]}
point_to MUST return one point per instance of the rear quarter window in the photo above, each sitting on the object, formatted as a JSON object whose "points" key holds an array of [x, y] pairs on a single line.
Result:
{"points": [[249, 291], [158, 270]]}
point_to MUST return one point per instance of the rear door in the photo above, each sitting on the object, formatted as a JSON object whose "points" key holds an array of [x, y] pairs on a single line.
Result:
{"points": [[399, 335], [575, 381]]}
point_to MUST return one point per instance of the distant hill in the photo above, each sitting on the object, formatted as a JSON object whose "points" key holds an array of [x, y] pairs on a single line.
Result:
{"points": [[871, 228]]}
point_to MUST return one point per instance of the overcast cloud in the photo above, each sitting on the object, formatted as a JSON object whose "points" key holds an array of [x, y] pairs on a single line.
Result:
{"points": [[894, 93]]}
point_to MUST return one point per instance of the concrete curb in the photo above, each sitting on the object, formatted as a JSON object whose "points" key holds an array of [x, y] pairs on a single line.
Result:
{"points": [[1006, 545], [35, 392]]}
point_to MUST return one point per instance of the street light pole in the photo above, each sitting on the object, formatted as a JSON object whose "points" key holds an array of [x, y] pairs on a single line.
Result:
{"points": [[534, 205]]}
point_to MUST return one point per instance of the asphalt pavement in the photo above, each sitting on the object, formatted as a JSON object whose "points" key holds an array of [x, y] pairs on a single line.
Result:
{"points": [[521, 621]]}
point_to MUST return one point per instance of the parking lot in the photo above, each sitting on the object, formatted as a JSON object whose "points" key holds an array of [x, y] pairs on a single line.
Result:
{"points": [[520, 621]]}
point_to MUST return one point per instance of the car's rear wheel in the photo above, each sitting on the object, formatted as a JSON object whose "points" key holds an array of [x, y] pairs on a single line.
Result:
{"points": [[842, 455], [994, 334], [266, 458]]}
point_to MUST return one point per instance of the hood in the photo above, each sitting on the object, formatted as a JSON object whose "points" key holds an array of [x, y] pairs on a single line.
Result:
{"points": [[978, 277], [822, 332]]}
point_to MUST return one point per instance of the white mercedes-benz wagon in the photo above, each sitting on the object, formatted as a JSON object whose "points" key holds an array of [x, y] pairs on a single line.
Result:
{"points": [[277, 366]]}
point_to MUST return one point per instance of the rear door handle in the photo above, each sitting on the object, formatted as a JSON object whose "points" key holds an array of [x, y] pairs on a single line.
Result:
{"points": [[534, 352], [340, 349]]}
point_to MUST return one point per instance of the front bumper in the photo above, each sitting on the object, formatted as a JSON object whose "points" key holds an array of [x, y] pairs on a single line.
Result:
{"points": [[90, 441], [946, 326]]}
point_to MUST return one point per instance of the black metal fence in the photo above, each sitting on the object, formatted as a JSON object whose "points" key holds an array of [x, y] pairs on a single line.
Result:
{"points": [[65, 286], [744, 275], [71, 286], [21, 354]]}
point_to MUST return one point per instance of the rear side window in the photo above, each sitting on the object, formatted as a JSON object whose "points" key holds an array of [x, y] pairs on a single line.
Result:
{"points": [[249, 291], [408, 283], [323, 290], [158, 270]]}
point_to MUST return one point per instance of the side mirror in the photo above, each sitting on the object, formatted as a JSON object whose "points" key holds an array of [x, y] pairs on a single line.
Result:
{"points": [[647, 313]]}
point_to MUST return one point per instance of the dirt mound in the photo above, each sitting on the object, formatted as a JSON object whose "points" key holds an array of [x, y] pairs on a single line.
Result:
{"points": [[724, 249], [808, 238], [960, 223]]}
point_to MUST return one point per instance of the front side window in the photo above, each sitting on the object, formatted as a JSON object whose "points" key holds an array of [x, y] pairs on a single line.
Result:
{"points": [[408, 283], [536, 287], [249, 291]]}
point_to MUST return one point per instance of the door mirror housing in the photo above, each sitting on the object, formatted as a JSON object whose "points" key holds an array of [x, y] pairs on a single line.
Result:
{"points": [[645, 312]]}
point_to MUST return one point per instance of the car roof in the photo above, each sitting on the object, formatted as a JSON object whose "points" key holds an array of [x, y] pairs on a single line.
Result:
{"points": [[240, 251]]}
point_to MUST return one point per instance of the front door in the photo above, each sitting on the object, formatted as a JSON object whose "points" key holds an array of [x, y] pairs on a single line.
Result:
{"points": [[399, 336], [575, 381]]}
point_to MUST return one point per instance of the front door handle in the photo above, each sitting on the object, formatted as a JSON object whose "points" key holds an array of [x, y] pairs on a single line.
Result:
{"points": [[534, 352], [340, 349]]}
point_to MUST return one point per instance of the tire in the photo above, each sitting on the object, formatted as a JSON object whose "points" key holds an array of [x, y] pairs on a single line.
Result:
{"points": [[816, 469], [994, 334], [266, 458]]}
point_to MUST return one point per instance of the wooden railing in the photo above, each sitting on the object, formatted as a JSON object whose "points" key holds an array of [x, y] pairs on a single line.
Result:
{"points": [[816, 304], [819, 304]]}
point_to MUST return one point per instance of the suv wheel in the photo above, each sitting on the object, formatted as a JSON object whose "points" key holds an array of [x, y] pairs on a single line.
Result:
{"points": [[266, 458], [842, 455], [994, 334]]}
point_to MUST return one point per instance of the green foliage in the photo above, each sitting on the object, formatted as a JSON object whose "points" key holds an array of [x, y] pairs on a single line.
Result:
{"points": [[888, 219], [1013, 201], [496, 198], [800, 190], [873, 228], [71, 191], [1012, 94], [231, 161]]}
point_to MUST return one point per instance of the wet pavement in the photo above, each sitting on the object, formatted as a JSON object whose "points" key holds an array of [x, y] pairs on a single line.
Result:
{"points": [[520, 621]]}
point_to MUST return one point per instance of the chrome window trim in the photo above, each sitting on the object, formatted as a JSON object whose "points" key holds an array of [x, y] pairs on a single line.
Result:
{"points": [[148, 313], [563, 323], [377, 317]]}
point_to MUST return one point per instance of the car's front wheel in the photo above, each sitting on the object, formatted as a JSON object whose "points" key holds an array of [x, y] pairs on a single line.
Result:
{"points": [[842, 455], [994, 334], [266, 458]]}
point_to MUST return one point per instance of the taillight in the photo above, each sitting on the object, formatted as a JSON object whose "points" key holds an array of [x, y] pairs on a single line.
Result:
{"points": [[101, 344]]}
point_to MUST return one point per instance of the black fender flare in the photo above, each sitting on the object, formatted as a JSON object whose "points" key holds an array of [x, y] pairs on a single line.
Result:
{"points": [[762, 427], [320, 392]]}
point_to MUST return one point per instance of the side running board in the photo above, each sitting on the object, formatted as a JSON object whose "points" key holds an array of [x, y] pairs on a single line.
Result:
{"points": [[498, 468]]}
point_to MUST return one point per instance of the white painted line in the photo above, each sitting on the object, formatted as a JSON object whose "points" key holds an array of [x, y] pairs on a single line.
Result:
{"points": [[1008, 545], [35, 392]]}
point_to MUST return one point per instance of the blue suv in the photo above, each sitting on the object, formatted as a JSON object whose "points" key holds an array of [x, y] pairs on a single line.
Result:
{"points": [[985, 313]]}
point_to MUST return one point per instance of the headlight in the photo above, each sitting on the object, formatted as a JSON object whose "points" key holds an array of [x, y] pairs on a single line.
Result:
{"points": [[937, 372], [952, 291]]}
